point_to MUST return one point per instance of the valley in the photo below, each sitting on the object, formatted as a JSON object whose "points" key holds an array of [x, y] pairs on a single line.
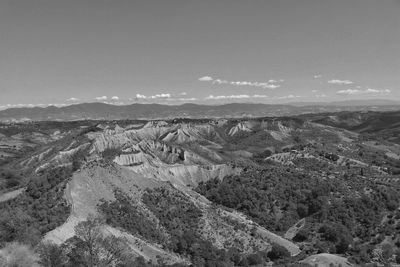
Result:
{"points": [[285, 191]]}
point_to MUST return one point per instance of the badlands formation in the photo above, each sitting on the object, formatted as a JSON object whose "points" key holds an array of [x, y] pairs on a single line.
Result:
{"points": [[159, 154], [247, 185]]}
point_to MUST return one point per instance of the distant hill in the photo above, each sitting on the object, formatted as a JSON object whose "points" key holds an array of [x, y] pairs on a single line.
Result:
{"points": [[386, 125], [101, 111], [354, 102]]}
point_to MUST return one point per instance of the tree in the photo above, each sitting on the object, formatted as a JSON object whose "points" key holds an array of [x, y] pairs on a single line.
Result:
{"points": [[51, 255], [301, 235], [278, 252], [18, 255], [91, 247]]}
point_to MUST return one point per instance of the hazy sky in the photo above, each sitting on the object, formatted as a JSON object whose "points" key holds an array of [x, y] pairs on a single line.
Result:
{"points": [[198, 50]]}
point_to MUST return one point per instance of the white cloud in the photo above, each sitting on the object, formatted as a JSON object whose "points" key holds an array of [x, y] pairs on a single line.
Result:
{"points": [[271, 84], [115, 98], [212, 97], [314, 91], [187, 99], [348, 92], [218, 81], [341, 82], [366, 91], [289, 96], [101, 98], [161, 96], [20, 105], [317, 76], [206, 79], [264, 85], [164, 97], [140, 96], [73, 99]]}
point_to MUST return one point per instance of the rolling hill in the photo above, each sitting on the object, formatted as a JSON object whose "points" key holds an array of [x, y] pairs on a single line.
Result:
{"points": [[101, 111]]}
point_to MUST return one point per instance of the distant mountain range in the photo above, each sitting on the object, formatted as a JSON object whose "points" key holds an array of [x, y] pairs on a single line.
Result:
{"points": [[101, 111]]}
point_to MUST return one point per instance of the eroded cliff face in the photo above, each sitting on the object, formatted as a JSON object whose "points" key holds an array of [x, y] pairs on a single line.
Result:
{"points": [[179, 153], [156, 155]]}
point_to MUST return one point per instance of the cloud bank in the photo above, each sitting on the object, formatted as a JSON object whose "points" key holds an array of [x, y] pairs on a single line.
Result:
{"points": [[270, 84], [101, 98], [163, 95], [206, 79], [218, 97], [366, 91], [340, 82]]}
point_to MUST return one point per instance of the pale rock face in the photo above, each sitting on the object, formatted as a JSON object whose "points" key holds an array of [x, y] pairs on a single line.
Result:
{"points": [[104, 141], [62, 158], [240, 127], [185, 175], [37, 158], [136, 159], [179, 136], [277, 130], [294, 230], [187, 133], [118, 129], [164, 160]]}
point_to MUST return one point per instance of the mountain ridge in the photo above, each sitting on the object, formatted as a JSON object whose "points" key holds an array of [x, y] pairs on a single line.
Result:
{"points": [[101, 111]]}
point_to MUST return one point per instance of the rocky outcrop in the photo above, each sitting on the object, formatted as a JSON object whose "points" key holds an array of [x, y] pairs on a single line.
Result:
{"points": [[292, 231], [62, 158], [240, 127]]}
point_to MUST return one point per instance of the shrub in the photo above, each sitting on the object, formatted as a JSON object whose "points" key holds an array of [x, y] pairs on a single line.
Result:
{"points": [[301, 236], [278, 252]]}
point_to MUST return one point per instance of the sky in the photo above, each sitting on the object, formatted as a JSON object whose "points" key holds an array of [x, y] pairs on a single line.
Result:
{"points": [[209, 51]]}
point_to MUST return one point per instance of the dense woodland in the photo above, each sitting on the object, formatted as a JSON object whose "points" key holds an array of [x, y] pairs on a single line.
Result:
{"points": [[178, 230], [40, 209], [345, 217]]}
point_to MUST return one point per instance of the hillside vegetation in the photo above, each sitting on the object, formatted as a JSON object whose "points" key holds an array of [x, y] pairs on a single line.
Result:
{"points": [[284, 191]]}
